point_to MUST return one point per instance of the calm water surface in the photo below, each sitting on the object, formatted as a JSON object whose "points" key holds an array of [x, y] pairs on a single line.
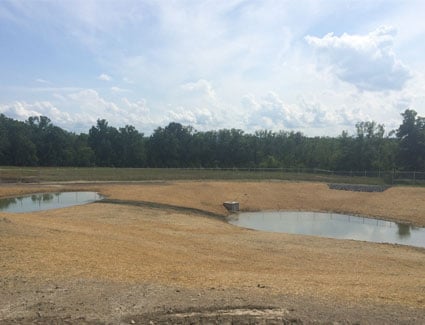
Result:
{"points": [[47, 201], [332, 225]]}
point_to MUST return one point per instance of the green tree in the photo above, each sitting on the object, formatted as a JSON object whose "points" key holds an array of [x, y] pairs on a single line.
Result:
{"points": [[103, 140], [22, 150], [133, 153], [411, 138], [369, 145], [233, 148], [369, 149], [171, 146], [83, 154], [53, 144], [4, 140]]}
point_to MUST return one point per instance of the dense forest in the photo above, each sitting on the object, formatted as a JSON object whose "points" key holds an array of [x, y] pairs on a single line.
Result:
{"points": [[37, 142]]}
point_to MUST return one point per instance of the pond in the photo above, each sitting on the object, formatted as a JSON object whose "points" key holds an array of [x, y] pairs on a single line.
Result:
{"points": [[332, 225], [47, 201]]}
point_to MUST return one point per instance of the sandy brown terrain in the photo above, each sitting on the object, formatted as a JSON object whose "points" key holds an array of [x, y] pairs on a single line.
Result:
{"points": [[118, 263]]}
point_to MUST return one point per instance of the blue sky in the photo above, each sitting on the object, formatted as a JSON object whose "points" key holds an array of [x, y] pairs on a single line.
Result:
{"points": [[312, 66]]}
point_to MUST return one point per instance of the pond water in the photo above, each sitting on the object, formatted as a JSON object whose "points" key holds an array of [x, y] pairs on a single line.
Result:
{"points": [[332, 225], [47, 201]]}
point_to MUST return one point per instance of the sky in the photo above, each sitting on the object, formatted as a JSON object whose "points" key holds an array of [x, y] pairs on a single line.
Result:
{"points": [[317, 67]]}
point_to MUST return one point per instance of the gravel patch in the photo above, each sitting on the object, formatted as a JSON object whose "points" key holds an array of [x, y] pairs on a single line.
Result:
{"points": [[359, 187]]}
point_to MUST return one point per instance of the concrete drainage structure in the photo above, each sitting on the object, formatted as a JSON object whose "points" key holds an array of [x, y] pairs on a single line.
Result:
{"points": [[231, 206]]}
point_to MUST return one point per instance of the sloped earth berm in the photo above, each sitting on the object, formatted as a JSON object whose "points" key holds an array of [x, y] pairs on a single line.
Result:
{"points": [[234, 316], [98, 303]]}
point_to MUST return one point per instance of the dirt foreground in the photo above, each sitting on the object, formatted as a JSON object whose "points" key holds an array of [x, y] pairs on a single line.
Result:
{"points": [[121, 263]]}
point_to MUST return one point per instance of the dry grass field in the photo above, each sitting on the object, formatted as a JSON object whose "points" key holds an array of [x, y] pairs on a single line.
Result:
{"points": [[121, 263]]}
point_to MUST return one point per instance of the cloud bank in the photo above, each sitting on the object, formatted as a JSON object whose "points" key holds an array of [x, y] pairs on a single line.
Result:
{"points": [[366, 61]]}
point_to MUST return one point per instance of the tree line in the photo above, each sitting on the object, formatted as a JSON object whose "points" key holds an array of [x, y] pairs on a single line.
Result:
{"points": [[37, 142]]}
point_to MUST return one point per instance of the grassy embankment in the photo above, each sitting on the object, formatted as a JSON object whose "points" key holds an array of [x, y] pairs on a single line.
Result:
{"points": [[72, 174]]}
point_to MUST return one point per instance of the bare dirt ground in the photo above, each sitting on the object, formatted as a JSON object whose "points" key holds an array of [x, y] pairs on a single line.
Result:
{"points": [[114, 263]]}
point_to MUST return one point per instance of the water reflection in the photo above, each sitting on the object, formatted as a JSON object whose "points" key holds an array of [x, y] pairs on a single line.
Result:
{"points": [[5, 203], [332, 225], [403, 230], [47, 201]]}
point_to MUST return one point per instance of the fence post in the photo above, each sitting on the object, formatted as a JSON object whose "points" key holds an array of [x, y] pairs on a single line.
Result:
{"points": [[414, 177]]}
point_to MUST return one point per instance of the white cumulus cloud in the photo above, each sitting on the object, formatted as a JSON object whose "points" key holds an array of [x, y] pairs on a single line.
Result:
{"points": [[138, 107], [117, 90], [42, 81], [125, 112], [90, 100], [201, 86], [198, 117], [270, 112], [21, 110], [366, 61], [104, 77]]}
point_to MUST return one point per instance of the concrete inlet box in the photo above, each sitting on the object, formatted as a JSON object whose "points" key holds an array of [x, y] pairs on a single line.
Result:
{"points": [[231, 206]]}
